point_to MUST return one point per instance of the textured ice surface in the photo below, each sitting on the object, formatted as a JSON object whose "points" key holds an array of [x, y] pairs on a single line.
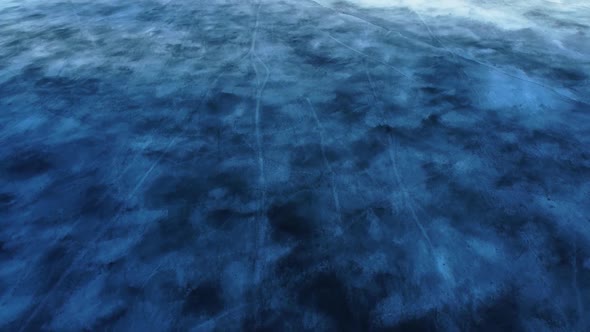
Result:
{"points": [[294, 165]]}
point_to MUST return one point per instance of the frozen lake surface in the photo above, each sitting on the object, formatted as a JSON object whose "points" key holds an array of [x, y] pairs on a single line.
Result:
{"points": [[194, 165]]}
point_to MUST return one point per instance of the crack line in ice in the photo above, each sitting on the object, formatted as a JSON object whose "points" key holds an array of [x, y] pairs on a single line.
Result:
{"points": [[327, 163], [408, 199], [375, 98], [259, 227], [260, 89]]}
